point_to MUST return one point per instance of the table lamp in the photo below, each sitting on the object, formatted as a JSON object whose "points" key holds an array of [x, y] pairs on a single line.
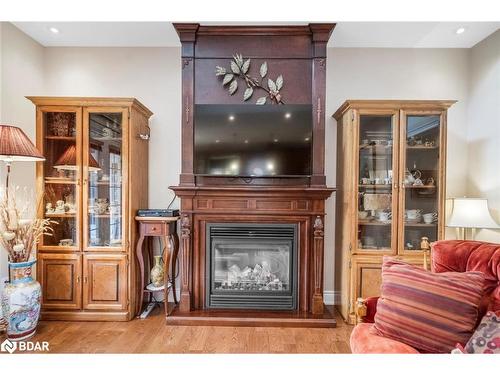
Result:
{"points": [[471, 213], [67, 161], [16, 146]]}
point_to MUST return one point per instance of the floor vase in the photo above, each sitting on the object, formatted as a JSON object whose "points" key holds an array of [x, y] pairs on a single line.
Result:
{"points": [[21, 301]]}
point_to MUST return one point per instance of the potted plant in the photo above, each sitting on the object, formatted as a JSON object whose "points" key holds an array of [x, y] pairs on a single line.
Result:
{"points": [[20, 231]]}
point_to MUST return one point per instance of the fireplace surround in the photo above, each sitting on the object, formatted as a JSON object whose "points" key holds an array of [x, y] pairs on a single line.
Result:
{"points": [[213, 271]]}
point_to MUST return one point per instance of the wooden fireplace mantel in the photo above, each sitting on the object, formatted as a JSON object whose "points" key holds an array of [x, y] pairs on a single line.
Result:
{"points": [[304, 206], [299, 54]]}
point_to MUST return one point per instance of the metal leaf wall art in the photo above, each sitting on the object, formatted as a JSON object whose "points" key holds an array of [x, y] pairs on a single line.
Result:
{"points": [[239, 69]]}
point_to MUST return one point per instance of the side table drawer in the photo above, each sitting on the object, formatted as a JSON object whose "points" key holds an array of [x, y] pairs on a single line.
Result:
{"points": [[155, 229]]}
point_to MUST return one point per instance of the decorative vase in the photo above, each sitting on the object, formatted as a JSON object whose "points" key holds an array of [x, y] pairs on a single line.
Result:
{"points": [[21, 301], [157, 272]]}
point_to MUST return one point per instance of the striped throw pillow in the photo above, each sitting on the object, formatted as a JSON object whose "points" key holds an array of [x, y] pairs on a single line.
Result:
{"points": [[431, 312]]}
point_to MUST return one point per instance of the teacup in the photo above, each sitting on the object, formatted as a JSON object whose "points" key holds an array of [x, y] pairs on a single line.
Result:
{"points": [[413, 214], [362, 214], [418, 182], [66, 242], [430, 217], [384, 215]]}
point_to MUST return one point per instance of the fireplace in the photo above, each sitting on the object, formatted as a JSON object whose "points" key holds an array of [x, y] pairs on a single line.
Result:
{"points": [[251, 266], [252, 243]]}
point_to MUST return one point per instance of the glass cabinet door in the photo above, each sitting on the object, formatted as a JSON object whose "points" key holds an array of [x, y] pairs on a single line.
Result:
{"points": [[103, 170], [421, 179], [61, 176], [376, 199]]}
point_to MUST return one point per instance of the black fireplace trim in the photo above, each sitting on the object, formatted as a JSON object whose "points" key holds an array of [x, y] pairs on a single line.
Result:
{"points": [[263, 301]]}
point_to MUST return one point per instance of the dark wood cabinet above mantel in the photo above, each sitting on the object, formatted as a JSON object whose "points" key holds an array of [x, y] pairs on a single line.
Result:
{"points": [[296, 52]]}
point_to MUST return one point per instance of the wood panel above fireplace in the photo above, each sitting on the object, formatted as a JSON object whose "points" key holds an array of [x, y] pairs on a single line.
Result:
{"points": [[299, 54]]}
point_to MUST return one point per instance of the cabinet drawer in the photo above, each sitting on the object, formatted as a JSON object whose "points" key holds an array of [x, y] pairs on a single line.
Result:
{"points": [[154, 229]]}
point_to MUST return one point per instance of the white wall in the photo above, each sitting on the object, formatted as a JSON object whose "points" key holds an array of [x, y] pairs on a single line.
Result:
{"points": [[21, 74], [483, 132]]}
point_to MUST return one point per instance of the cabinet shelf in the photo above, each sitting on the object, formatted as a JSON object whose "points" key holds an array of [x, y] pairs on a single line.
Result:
{"points": [[60, 138], [62, 216], [375, 223], [420, 186], [379, 186], [420, 225], [422, 147], [62, 181], [104, 216]]}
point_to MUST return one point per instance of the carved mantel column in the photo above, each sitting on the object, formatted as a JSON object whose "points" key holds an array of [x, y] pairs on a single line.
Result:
{"points": [[318, 249], [186, 230]]}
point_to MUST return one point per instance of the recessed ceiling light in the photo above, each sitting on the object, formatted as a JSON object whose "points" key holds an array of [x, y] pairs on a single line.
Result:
{"points": [[288, 115], [306, 139], [246, 140], [54, 30], [276, 140], [231, 118], [460, 30], [217, 140]]}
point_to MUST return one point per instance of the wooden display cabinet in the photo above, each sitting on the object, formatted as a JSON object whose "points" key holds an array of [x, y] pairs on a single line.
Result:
{"points": [[94, 179], [391, 161]]}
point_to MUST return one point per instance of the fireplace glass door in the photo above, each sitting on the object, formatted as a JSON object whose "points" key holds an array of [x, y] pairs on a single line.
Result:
{"points": [[252, 266]]}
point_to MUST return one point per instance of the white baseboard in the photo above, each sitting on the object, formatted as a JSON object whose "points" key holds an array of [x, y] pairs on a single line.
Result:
{"points": [[331, 297]]}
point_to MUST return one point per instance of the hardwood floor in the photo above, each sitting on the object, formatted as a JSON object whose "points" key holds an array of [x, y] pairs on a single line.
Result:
{"points": [[151, 335]]}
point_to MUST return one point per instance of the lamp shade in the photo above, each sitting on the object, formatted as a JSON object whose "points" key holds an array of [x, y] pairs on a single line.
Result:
{"points": [[16, 146], [471, 213], [67, 161]]}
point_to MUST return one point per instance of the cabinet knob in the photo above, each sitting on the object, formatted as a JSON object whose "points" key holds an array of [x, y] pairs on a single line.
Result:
{"points": [[78, 279], [85, 279]]}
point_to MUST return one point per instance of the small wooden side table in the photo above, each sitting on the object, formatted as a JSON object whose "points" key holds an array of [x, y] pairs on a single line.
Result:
{"points": [[164, 228]]}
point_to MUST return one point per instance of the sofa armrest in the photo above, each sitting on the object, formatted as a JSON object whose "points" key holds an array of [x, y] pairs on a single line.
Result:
{"points": [[366, 309]]}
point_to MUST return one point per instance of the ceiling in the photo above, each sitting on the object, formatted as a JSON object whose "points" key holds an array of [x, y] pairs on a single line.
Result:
{"points": [[346, 34]]}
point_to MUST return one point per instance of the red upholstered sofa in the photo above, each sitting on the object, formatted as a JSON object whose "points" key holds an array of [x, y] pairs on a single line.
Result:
{"points": [[446, 256]]}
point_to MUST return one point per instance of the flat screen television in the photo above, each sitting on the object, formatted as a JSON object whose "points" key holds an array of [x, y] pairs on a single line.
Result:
{"points": [[253, 140]]}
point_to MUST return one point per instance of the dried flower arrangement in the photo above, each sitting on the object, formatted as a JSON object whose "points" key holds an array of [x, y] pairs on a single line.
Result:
{"points": [[20, 231], [240, 68]]}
